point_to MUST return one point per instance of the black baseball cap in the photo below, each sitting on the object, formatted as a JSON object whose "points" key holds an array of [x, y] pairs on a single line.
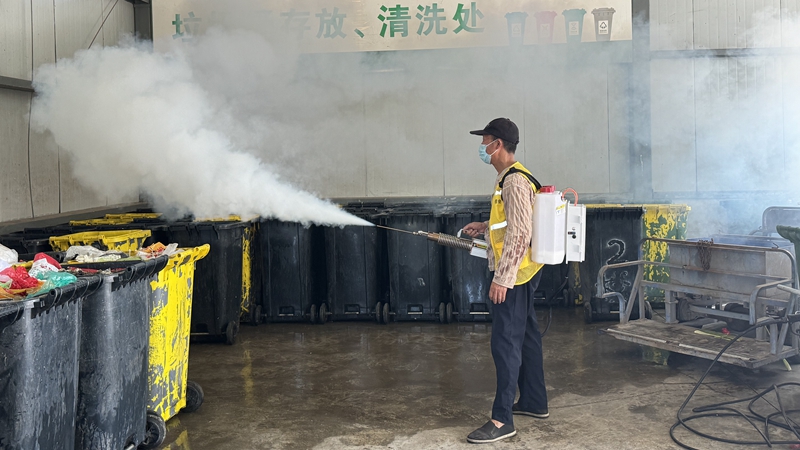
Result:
{"points": [[501, 128]]}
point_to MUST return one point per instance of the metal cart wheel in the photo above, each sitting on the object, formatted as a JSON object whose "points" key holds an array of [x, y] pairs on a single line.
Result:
{"points": [[231, 332], [194, 397], [442, 312], [587, 312], [378, 309], [313, 314], [155, 433], [385, 315], [323, 313], [449, 312]]}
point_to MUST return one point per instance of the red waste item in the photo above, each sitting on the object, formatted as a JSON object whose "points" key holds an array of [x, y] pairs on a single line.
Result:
{"points": [[726, 331], [20, 278], [49, 260], [547, 189]]}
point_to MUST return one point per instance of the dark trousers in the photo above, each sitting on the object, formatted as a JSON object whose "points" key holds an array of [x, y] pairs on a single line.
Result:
{"points": [[517, 353]]}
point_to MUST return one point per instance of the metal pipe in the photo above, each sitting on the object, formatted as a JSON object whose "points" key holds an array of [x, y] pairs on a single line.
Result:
{"points": [[16, 84], [442, 239]]}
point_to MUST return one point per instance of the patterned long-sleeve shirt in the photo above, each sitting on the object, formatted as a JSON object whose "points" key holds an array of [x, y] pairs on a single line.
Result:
{"points": [[518, 198]]}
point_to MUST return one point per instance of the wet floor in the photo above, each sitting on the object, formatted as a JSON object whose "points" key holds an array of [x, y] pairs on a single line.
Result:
{"points": [[360, 385]]}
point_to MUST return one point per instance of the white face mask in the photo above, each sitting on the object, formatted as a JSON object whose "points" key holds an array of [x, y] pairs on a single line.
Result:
{"points": [[486, 157]]}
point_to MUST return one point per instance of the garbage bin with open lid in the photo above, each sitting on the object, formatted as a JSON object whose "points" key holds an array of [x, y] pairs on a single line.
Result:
{"points": [[112, 386], [39, 356]]}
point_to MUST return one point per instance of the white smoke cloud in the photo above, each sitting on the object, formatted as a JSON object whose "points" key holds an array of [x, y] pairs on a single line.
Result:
{"points": [[134, 120]]}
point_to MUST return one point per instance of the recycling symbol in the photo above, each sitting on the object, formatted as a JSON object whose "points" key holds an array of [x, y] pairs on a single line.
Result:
{"points": [[602, 26]]}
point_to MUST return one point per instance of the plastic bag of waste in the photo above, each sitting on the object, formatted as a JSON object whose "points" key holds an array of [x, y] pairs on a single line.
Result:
{"points": [[8, 256], [43, 264], [85, 253], [20, 278], [5, 282], [82, 250], [156, 250], [54, 280]]}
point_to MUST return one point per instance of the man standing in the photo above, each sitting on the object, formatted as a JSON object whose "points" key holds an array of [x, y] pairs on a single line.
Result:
{"points": [[516, 340]]}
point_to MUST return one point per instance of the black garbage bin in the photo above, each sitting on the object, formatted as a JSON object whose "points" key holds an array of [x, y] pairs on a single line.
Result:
{"points": [[115, 333], [218, 278], [27, 241], [293, 271], [468, 277], [415, 267], [613, 235], [354, 257], [39, 354]]}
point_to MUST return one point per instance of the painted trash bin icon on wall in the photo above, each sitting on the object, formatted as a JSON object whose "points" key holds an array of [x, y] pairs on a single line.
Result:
{"points": [[544, 26], [573, 19], [516, 27], [603, 18]]}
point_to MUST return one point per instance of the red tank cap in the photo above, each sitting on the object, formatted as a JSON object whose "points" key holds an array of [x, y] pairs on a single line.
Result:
{"points": [[547, 189]]}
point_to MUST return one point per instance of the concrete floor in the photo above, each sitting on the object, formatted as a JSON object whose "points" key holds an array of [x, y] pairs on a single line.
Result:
{"points": [[359, 385]]}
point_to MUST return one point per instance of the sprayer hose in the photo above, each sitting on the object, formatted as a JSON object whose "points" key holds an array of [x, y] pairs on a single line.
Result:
{"points": [[451, 241]]}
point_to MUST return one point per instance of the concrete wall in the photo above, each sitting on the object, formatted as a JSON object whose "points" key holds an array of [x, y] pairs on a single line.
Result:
{"points": [[35, 177], [573, 122], [715, 111]]}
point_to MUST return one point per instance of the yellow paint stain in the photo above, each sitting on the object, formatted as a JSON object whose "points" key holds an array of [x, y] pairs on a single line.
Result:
{"points": [[666, 222], [170, 325], [181, 443], [576, 283], [247, 264]]}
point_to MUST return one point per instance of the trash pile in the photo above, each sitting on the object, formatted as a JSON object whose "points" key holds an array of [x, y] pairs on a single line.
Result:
{"points": [[25, 279]]}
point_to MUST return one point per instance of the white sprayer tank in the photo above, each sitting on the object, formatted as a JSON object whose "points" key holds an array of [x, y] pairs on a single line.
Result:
{"points": [[549, 226]]}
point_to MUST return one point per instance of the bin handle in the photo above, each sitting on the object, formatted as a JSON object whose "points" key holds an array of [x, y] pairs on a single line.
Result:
{"points": [[18, 310]]}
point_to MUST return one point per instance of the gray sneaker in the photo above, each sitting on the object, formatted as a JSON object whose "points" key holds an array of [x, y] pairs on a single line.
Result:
{"points": [[515, 409]]}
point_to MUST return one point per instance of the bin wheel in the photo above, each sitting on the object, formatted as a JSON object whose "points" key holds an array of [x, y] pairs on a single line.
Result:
{"points": [[155, 433], [385, 315], [257, 315], [323, 313], [378, 309], [230, 332], [194, 397], [442, 313], [313, 314], [449, 312], [587, 312]]}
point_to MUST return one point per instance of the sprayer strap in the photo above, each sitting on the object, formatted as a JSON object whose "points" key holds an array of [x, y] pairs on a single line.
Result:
{"points": [[527, 175]]}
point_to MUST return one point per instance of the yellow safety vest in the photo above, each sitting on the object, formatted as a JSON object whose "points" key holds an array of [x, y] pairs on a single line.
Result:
{"points": [[497, 230]]}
